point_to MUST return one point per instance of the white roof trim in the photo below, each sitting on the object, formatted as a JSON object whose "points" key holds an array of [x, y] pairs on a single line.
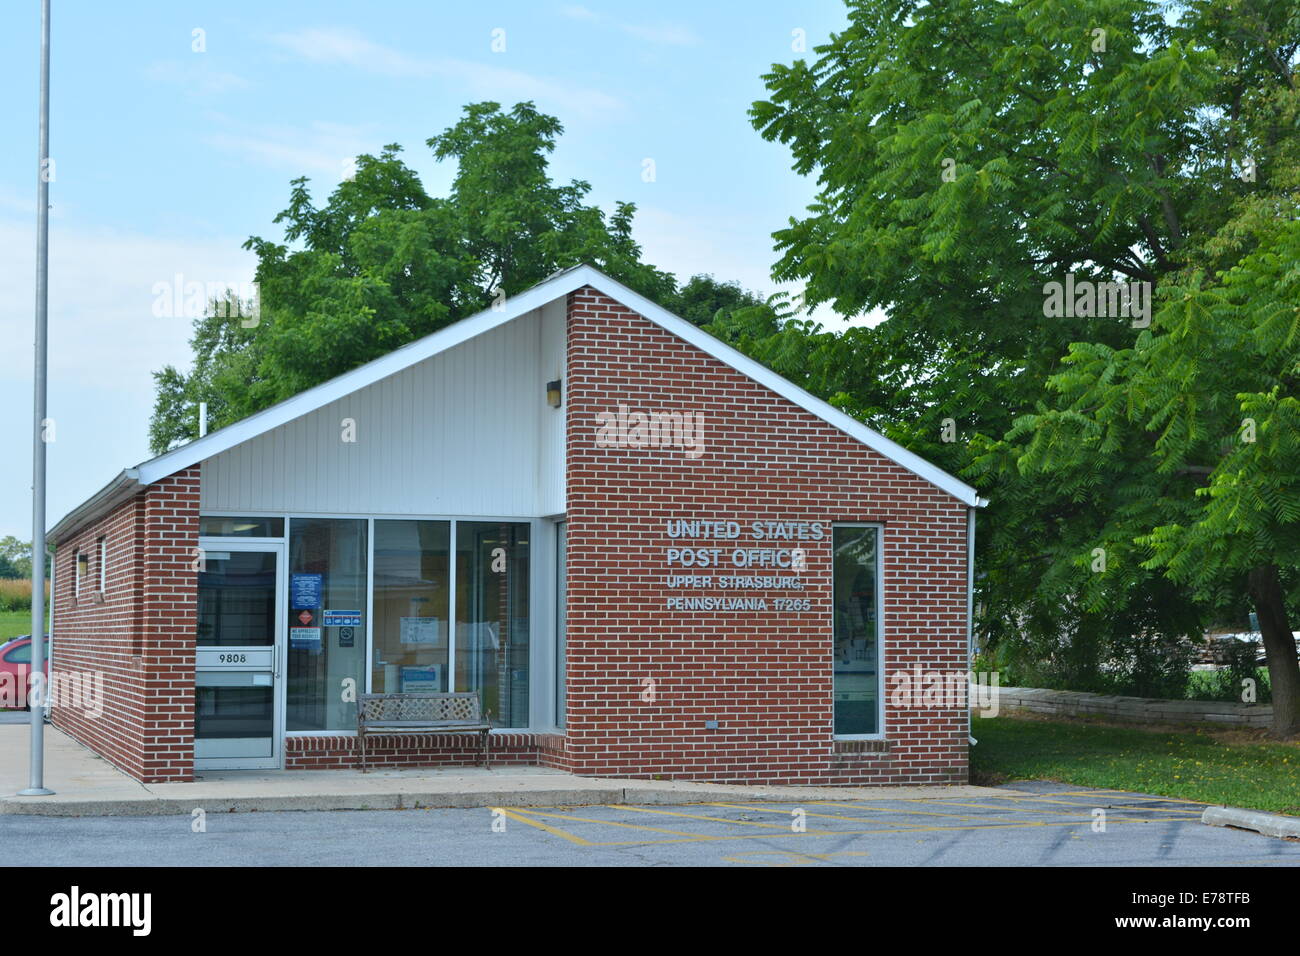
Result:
{"points": [[512, 308]]}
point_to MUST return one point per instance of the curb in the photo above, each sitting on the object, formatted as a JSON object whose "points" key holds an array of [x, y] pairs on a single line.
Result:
{"points": [[460, 800], [1268, 824]]}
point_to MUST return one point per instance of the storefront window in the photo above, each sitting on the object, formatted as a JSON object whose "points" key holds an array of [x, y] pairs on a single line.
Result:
{"points": [[223, 527], [327, 622], [857, 631], [492, 613], [412, 593]]}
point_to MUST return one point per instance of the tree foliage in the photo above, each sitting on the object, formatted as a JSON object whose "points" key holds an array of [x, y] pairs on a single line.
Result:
{"points": [[969, 153], [15, 558], [382, 263]]}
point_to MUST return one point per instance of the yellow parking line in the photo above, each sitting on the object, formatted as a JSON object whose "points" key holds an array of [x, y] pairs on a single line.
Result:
{"points": [[1071, 803], [696, 816], [1082, 808], [983, 806], [821, 816], [630, 826], [985, 826], [897, 832], [678, 836], [516, 815], [921, 813]]}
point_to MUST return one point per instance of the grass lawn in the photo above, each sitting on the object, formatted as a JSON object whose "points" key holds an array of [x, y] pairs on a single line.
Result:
{"points": [[1240, 768], [13, 623]]}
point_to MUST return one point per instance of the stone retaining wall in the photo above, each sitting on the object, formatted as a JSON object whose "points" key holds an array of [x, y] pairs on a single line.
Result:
{"points": [[1140, 710]]}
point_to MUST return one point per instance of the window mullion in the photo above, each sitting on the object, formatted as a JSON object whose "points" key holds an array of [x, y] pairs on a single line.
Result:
{"points": [[451, 609]]}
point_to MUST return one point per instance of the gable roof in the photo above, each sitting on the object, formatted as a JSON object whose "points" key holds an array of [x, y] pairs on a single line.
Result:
{"points": [[549, 289]]}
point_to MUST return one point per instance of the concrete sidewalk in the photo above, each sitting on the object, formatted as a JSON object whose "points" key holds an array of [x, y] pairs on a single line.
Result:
{"points": [[87, 785]]}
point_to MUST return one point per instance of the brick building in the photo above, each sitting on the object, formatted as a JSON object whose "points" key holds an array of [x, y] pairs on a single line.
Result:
{"points": [[650, 555]]}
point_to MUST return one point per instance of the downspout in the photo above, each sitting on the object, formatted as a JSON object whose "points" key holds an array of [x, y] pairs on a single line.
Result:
{"points": [[970, 613], [49, 657]]}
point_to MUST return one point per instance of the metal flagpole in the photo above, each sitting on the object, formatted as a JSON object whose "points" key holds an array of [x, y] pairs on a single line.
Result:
{"points": [[37, 702]]}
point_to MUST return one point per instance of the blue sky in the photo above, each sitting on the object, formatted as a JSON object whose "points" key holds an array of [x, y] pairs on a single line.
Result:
{"points": [[166, 159]]}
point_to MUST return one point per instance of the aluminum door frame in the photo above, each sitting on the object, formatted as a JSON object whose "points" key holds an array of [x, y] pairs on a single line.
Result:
{"points": [[278, 648]]}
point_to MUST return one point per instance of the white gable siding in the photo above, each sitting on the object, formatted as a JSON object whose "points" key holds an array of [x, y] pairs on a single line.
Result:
{"points": [[465, 432], [550, 426]]}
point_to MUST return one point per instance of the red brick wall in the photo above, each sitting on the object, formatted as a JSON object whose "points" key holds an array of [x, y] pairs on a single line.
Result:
{"points": [[388, 751], [139, 634], [766, 676]]}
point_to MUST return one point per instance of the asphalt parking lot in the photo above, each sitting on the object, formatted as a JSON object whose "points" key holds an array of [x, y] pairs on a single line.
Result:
{"points": [[1031, 824]]}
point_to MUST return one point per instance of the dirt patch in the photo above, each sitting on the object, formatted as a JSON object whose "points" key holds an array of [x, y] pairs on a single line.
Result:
{"points": [[979, 778]]}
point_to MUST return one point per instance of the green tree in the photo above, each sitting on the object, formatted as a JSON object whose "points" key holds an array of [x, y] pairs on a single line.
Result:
{"points": [[968, 154], [1211, 396], [15, 558], [702, 298], [383, 263]]}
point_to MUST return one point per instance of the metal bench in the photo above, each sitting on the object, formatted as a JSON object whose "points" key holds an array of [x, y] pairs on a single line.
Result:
{"points": [[440, 713]]}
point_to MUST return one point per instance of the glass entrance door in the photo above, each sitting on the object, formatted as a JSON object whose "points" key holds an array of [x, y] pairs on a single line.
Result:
{"points": [[239, 658]]}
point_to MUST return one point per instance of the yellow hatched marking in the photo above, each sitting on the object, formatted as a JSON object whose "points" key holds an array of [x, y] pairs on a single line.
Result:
{"points": [[920, 813], [934, 829], [821, 816], [682, 837], [629, 826], [842, 816], [696, 816], [516, 815]]}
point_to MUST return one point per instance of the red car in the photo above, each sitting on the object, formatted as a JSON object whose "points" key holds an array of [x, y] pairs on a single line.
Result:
{"points": [[15, 670]]}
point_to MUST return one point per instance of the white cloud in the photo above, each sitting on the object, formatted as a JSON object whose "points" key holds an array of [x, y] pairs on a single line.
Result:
{"points": [[667, 33], [671, 34], [347, 47], [576, 12], [350, 48], [728, 247], [194, 76], [502, 84], [708, 242], [321, 148], [102, 328], [104, 343]]}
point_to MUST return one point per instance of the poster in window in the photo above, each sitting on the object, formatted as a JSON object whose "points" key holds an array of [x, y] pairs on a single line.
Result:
{"points": [[419, 630], [305, 591]]}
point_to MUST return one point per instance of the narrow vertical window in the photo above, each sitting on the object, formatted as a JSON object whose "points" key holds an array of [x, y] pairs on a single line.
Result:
{"points": [[561, 612], [103, 565], [83, 571], [857, 668]]}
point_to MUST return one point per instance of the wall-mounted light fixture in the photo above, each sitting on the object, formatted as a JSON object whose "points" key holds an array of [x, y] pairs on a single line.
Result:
{"points": [[554, 393]]}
